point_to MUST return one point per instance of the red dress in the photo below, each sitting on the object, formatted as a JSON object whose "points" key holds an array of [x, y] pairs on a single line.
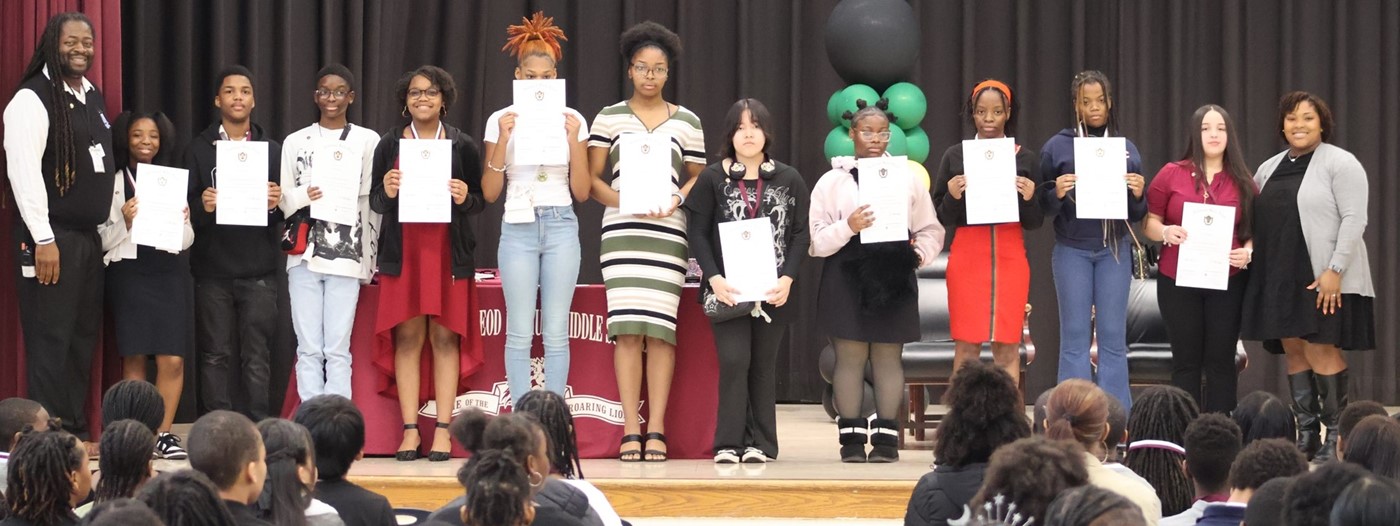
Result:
{"points": [[425, 286], [989, 282]]}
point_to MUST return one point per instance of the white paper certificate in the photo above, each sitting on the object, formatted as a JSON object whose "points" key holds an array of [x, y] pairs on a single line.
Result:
{"points": [[160, 218], [425, 194], [539, 137], [1100, 191], [645, 163], [335, 170], [1204, 259], [990, 168], [750, 263], [241, 178], [884, 185]]}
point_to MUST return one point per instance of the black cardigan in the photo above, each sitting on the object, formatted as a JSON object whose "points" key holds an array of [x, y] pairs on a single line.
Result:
{"points": [[466, 166], [785, 202], [953, 212]]}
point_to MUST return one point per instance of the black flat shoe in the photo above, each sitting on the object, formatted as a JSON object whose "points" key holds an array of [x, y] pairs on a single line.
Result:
{"points": [[441, 456], [408, 455], [631, 455], [655, 455]]}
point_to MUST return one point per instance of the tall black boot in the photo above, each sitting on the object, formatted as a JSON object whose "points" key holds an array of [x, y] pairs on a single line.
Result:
{"points": [[1332, 389], [853, 434], [884, 440], [1306, 408]]}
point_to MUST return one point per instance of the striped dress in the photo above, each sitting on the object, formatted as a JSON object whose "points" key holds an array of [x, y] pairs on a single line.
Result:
{"points": [[644, 260]]}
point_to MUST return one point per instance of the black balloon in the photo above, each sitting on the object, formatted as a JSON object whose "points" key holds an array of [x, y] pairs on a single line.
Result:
{"points": [[873, 42]]}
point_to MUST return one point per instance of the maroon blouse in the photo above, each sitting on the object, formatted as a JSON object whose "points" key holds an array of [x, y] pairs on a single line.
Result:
{"points": [[1173, 187]]}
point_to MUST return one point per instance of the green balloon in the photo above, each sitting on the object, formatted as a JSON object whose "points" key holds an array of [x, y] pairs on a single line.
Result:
{"points": [[839, 143], [850, 95], [834, 108], [916, 141], [907, 103], [899, 144]]}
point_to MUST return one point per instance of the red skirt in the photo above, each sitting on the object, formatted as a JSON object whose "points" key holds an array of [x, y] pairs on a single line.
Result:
{"points": [[989, 282], [425, 287]]}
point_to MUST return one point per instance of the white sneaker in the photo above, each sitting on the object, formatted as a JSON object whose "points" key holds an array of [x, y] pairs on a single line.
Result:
{"points": [[726, 456], [168, 447], [753, 455]]}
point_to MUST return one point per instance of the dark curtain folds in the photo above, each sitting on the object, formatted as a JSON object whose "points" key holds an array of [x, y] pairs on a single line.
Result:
{"points": [[1165, 59]]}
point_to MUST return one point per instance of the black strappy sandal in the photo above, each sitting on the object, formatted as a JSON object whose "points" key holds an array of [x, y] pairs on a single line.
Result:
{"points": [[655, 455], [633, 455], [441, 456], [408, 455]]}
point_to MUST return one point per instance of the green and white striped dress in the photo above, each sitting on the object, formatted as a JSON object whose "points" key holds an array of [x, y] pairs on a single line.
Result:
{"points": [[644, 260]]}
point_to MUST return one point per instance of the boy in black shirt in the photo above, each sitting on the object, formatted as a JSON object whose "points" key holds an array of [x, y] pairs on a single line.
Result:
{"points": [[338, 432], [227, 447]]}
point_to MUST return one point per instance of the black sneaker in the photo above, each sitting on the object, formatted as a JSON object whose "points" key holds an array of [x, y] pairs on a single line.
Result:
{"points": [[726, 456], [168, 448]]}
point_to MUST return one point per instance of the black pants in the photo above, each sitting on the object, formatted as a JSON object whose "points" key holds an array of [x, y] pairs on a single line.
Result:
{"points": [[61, 323], [1203, 327], [236, 319], [748, 353]]}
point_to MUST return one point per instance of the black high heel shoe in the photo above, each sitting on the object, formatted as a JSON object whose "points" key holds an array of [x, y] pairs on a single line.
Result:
{"points": [[441, 456], [408, 455]]}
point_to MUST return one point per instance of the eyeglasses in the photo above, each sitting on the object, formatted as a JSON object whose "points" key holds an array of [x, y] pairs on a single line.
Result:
{"points": [[328, 94], [870, 135], [643, 70], [431, 93]]}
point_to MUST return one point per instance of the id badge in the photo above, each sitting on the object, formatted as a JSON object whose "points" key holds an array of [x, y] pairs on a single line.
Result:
{"points": [[97, 154]]}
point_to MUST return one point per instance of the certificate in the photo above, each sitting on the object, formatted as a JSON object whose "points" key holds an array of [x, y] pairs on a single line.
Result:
{"points": [[1100, 192], [884, 185], [645, 162], [989, 165], [335, 170], [539, 137], [241, 178], [425, 193], [1203, 260], [750, 261], [160, 218]]}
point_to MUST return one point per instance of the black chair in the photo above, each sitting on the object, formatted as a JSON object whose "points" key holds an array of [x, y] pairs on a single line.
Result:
{"points": [[1149, 350]]}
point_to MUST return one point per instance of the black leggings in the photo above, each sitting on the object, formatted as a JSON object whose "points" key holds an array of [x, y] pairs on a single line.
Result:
{"points": [[886, 362], [747, 348], [1203, 326]]}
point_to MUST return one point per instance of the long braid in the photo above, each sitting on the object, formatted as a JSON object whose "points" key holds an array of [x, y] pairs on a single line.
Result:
{"points": [[46, 57], [125, 462], [1094, 76], [553, 413], [39, 470], [1162, 413], [498, 490]]}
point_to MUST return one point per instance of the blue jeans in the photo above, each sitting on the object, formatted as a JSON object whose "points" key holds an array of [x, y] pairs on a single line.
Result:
{"points": [[323, 314], [1094, 278], [542, 256]]}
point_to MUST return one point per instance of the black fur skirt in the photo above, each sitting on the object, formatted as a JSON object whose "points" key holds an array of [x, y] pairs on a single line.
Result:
{"points": [[869, 293]]}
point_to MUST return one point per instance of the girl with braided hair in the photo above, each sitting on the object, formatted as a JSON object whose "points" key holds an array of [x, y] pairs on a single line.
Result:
{"points": [[1156, 427], [1077, 411], [186, 498], [1093, 506], [48, 476], [125, 461], [869, 294], [498, 491], [539, 248], [552, 412], [291, 477]]}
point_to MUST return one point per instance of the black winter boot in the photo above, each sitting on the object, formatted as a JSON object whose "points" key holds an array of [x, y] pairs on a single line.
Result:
{"points": [[853, 434], [1303, 387], [884, 440], [1333, 392]]}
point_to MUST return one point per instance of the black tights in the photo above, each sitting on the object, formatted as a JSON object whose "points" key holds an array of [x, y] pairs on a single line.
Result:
{"points": [[849, 383]]}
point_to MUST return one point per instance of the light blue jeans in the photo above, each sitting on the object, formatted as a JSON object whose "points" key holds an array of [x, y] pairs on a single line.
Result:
{"points": [[1087, 279], [323, 314], [542, 256]]}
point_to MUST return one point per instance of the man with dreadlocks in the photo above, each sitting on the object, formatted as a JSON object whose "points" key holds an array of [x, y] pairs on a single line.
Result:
{"points": [[58, 142]]}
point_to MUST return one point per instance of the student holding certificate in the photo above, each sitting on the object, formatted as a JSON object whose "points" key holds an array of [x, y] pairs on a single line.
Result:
{"points": [[989, 278], [868, 297], [1203, 325], [1310, 294], [150, 294], [539, 250], [748, 185], [1092, 260], [427, 292], [235, 265], [654, 150], [328, 164]]}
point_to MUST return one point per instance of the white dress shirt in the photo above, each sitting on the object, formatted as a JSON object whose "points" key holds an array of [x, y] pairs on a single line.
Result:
{"points": [[26, 137]]}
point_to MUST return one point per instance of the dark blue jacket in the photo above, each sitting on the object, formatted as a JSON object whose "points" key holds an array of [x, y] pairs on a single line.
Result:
{"points": [[1222, 514], [1056, 159]]}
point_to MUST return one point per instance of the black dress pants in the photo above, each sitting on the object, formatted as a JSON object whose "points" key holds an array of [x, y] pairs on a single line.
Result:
{"points": [[235, 324], [748, 350], [1203, 326], [61, 323]]}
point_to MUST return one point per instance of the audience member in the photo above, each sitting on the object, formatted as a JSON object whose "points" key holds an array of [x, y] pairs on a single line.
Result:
{"points": [[1156, 428], [1309, 500], [186, 498], [1265, 506], [141, 401], [1371, 501], [1117, 441], [1078, 411], [48, 476], [1258, 463], [125, 460], [226, 447], [286, 498], [15, 414], [124, 511], [1038, 412], [1373, 444], [1030, 473], [1352, 415], [338, 433], [552, 412], [984, 413], [1212, 442], [1261, 415], [1093, 506]]}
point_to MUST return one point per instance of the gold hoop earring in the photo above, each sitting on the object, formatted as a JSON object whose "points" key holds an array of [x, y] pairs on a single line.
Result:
{"points": [[405, 111]]}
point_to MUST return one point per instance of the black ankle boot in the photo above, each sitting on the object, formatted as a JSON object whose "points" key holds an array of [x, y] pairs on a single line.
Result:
{"points": [[853, 434], [884, 440], [1303, 387], [1333, 392]]}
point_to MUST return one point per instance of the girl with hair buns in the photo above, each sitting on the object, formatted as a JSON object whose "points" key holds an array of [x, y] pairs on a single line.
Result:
{"points": [[539, 248], [644, 256], [1078, 411]]}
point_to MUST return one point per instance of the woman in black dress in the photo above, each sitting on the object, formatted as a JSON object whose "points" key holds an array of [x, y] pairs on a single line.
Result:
{"points": [[1310, 295], [149, 290]]}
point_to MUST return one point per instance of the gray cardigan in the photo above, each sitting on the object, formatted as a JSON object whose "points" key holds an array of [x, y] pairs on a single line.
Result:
{"points": [[1332, 207]]}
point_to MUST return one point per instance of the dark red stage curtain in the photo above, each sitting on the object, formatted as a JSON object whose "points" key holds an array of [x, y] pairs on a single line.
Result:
{"points": [[21, 24]]}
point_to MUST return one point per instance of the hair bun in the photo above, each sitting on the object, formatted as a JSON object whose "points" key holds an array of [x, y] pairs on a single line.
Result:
{"points": [[536, 28]]}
